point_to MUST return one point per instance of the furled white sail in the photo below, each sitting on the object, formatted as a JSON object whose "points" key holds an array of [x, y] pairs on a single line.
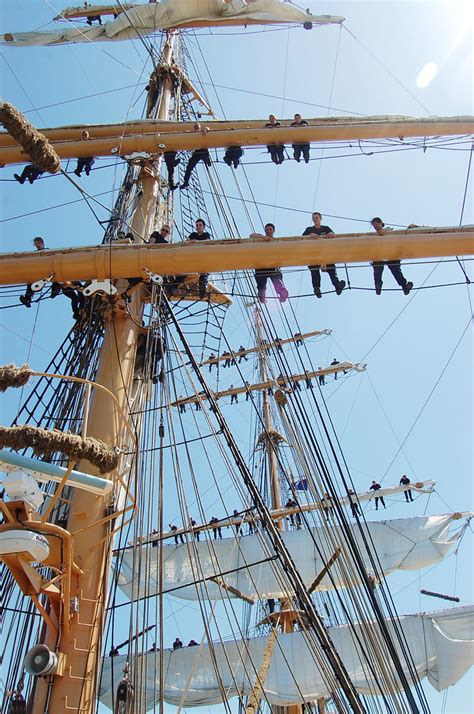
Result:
{"points": [[401, 544], [141, 20], [441, 646]]}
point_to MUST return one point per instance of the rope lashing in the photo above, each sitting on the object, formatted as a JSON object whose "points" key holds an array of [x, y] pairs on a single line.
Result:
{"points": [[256, 693], [35, 144], [13, 376], [44, 442]]}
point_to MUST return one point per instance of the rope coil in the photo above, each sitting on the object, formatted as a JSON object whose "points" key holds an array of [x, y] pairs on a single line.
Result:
{"points": [[44, 442], [13, 376], [35, 144]]}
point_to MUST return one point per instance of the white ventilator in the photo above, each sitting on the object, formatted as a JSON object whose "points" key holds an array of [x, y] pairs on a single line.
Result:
{"points": [[22, 486]]}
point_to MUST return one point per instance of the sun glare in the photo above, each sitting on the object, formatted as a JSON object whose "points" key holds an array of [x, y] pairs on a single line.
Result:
{"points": [[427, 74]]}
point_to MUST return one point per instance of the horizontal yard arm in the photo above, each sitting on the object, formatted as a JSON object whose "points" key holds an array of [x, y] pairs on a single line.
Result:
{"points": [[155, 137], [118, 261]]}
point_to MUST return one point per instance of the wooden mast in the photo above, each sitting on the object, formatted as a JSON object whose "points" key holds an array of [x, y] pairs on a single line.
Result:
{"points": [[76, 690], [286, 620], [267, 420]]}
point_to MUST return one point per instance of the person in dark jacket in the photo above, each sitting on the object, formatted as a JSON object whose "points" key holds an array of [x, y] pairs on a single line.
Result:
{"points": [[160, 237], [393, 265], [201, 234], [30, 172], [171, 161], [354, 503], [84, 163], [404, 481], [197, 156], [233, 155], [299, 149], [176, 535], [319, 230], [276, 151], [376, 487], [275, 275], [216, 529]]}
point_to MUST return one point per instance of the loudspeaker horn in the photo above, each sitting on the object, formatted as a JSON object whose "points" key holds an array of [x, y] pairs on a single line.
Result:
{"points": [[40, 660]]}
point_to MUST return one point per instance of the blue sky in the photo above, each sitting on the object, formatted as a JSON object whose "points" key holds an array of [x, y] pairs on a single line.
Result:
{"points": [[413, 346]]}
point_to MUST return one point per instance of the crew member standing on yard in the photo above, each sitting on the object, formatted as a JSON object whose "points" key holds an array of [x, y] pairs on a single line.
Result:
{"points": [[291, 504], [276, 151], [318, 230], [299, 149], [228, 359], [333, 363], [212, 360], [201, 234], [193, 527], [353, 503], [216, 529], [84, 164], [176, 535], [262, 274], [393, 265], [376, 487], [404, 481], [326, 504], [242, 354]]}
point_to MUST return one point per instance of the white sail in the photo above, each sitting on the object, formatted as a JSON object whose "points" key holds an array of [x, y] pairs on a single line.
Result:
{"points": [[142, 20], [441, 646], [401, 544]]}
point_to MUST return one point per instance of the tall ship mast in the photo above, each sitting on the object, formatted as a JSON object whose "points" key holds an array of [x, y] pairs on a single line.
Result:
{"points": [[161, 481]]}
